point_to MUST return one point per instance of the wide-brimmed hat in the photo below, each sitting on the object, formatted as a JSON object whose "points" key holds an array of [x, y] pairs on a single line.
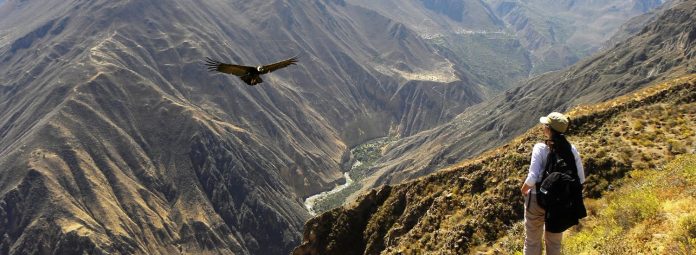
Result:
{"points": [[556, 121]]}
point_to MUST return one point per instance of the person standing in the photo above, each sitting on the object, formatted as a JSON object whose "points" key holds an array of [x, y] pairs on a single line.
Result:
{"points": [[554, 126]]}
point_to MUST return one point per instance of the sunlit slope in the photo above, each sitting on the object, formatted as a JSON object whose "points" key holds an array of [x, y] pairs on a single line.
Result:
{"points": [[477, 202], [651, 211]]}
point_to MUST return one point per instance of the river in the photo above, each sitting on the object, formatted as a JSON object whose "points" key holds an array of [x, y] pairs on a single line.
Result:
{"points": [[311, 201]]}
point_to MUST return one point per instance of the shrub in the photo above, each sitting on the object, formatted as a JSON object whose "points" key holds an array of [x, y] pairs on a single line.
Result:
{"points": [[513, 243], [646, 143], [601, 153], [685, 237], [599, 240], [676, 147], [633, 208], [688, 226], [639, 165], [637, 125], [637, 113], [625, 154]]}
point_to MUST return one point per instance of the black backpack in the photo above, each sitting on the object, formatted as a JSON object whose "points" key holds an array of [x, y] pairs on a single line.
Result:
{"points": [[560, 194], [558, 181]]}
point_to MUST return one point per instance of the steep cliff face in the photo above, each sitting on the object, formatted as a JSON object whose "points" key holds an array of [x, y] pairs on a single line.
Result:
{"points": [[468, 207], [662, 50], [115, 139]]}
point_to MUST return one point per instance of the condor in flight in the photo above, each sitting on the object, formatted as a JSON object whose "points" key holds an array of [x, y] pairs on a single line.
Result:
{"points": [[249, 74]]}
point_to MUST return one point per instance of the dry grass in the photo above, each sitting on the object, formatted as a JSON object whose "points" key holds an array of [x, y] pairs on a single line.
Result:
{"points": [[635, 135], [654, 212]]}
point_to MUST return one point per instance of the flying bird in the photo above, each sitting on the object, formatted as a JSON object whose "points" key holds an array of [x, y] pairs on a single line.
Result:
{"points": [[249, 74]]}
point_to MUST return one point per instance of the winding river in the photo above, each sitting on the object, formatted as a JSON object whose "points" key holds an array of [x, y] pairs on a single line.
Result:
{"points": [[311, 201]]}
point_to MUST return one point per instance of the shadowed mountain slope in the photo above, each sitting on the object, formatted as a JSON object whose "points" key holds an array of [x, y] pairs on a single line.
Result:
{"points": [[471, 205]]}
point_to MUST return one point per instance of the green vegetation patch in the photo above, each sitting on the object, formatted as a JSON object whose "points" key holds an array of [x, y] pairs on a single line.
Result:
{"points": [[363, 157]]}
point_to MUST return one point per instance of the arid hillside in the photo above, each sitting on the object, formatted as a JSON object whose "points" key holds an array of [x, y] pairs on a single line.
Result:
{"points": [[470, 206]]}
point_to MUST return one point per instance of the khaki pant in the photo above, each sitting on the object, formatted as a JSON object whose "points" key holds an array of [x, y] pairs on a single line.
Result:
{"points": [[534, 227]]}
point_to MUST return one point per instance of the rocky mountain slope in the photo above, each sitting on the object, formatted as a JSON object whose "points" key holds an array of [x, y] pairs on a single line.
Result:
{"points": [[504, 42], [115, 139], [662, 50], [470, 206], [637, 23], [498, 56]]}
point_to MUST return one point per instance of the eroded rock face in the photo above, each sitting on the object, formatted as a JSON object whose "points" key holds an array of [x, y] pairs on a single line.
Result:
{"points": [[346, 226]]}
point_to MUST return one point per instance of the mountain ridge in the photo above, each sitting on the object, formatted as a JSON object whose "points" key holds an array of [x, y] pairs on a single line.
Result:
{"points": [[661, 51]]}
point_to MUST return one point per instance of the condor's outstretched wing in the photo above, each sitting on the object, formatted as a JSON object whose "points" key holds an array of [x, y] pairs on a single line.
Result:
{"points": [[214, 65], [279, 65]]}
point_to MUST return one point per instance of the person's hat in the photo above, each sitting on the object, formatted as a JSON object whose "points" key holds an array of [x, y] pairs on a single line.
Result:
{"points": [[556, 120]]}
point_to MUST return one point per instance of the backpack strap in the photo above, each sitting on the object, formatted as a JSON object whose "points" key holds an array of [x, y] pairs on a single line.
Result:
{"points": [[550, 160], [550, 163]]}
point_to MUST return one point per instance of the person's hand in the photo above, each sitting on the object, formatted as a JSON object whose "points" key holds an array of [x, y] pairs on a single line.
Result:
{"points": [[525, 189]]}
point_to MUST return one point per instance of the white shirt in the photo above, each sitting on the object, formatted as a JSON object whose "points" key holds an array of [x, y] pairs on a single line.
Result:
{"points": [[536, 167]]}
